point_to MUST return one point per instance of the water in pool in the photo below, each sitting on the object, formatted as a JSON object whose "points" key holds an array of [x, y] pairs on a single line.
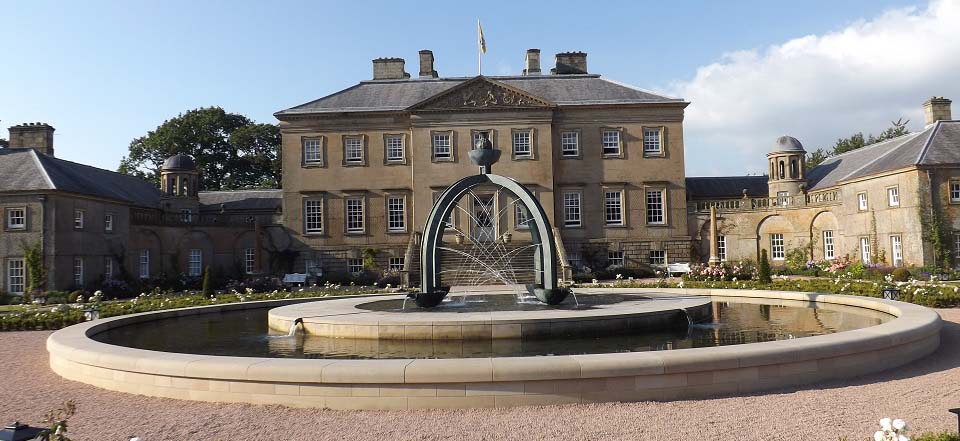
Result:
{"points": [[245, 334]]}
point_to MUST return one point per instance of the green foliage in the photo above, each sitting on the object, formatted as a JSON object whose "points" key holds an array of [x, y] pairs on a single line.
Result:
{"points": [[938, 235], [941, 436], [816, 158], [900, 275], [764, 268], [231, 151], [857, 270], [370, 258], [207, 282], [857, 141], [57, 419], [33, 260], [72, 297], [32, 318], [4, 298], [933, 295], [796, 258]]}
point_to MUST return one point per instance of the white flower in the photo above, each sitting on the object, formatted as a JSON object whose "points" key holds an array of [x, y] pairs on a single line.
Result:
{"points": [[886, 424], [900, 424], [878, 436]]}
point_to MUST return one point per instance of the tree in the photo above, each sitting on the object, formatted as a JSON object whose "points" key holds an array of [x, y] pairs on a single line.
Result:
{"points": [[231, 151], [764, 270], [207, 285], [857, 141]]}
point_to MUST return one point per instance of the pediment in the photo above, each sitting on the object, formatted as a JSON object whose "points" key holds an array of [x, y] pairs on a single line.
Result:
{"points": [[481, 93]]}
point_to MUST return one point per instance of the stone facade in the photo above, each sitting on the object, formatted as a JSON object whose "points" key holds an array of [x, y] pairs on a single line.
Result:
{"points": [[317, 167], [876, 213]]}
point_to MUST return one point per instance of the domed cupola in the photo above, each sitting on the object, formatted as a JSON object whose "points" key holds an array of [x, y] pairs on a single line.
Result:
{"points": [[179, 176], [787, 167], [179, 162]]}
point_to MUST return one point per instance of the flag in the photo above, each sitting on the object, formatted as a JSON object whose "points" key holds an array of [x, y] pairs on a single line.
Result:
{"points": [[482, 42]]}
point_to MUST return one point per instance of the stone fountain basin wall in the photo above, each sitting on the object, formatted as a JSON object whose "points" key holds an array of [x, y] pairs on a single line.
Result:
{"points": [[342, 319], [501, 382]]}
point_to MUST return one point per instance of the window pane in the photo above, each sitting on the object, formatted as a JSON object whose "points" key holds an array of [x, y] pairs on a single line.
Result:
{"points": [[658, 257], [828, 245], [613, 207], [893, 196], [394, 148], [441, 146], [615, 258], [395, 214], [355, 265], [611, 142], [570, 144], [776, 246], [196, 262], [16, 218], [897, 247], [722, 248], [571, 209], [521, 216], [311, 151], [313, 215], [655, 207], [396, 264], [249, 260], [651, 141], [355, 215], [354, 147], [865, 250], [144, 264], [16, 276], [521, 143]]}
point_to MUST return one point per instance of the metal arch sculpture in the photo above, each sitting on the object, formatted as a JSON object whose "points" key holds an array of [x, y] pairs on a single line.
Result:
{"points": [[545, 289]]}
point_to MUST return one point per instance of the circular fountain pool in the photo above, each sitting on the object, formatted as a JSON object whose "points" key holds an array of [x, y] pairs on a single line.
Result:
{"points": [[746, 341]]}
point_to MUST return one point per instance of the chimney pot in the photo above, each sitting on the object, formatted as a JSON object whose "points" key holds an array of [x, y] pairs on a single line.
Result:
{"points": [[426, 64], [570, 63], [937, 108], [532, 62], [389, 69]]}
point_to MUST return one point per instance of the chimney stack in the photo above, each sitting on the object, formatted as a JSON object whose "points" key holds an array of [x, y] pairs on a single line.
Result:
{"points": [[389, 69], [426, 64], [937, 108], [532, 62], [570, 63], [37, 136]]}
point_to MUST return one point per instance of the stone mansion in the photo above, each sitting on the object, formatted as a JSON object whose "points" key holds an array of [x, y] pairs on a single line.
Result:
{"points": [[361, 168]]}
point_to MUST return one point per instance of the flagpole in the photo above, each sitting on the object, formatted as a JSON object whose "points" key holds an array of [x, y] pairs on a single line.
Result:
{"points": [[479, 51]]}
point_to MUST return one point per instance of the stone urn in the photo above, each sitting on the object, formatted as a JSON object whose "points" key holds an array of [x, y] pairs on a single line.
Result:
{"points": [[507, 237], [459, 238]]}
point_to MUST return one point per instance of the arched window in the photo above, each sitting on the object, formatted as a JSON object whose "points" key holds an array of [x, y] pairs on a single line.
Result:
{"points": [[782, 175], [793, 169], [773, 174]]}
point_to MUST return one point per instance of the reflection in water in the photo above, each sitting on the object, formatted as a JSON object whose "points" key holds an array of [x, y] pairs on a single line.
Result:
{"points": [[245, 333]]}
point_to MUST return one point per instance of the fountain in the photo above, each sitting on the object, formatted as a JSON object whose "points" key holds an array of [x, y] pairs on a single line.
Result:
{"points": [[483, 338], [493, 261]]}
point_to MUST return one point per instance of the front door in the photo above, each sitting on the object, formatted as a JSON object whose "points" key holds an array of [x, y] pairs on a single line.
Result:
{"points": [[483, 216]]}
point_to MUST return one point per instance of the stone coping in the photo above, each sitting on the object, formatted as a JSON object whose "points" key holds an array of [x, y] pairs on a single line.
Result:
{"points": [[913, 322], [344, 318], [379, 384]]}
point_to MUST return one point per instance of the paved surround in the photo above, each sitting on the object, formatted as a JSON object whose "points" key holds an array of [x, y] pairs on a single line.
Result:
{"points": [[500, 382], [342, 318]]}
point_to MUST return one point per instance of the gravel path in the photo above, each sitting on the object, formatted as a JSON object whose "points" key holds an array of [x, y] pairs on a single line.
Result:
{"points": [[920, 393]]}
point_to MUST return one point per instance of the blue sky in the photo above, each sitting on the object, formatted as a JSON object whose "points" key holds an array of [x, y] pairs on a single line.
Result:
{"points": [[104, 73]]}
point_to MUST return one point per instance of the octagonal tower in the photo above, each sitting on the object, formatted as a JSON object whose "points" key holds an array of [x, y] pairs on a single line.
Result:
{"points": [[787, 163]]}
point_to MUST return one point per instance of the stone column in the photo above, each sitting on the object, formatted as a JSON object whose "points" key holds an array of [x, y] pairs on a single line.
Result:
{"points": [[714, 248]]}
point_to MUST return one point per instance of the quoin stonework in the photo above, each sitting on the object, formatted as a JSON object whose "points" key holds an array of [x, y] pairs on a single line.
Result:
{"points": [[362, 167]]}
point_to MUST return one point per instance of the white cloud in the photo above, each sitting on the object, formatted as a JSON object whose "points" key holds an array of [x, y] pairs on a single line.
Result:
{"points": [[820, 87]]}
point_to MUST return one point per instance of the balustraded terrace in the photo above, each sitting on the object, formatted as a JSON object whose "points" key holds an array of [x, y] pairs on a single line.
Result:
{"points": [[815, 199]]}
